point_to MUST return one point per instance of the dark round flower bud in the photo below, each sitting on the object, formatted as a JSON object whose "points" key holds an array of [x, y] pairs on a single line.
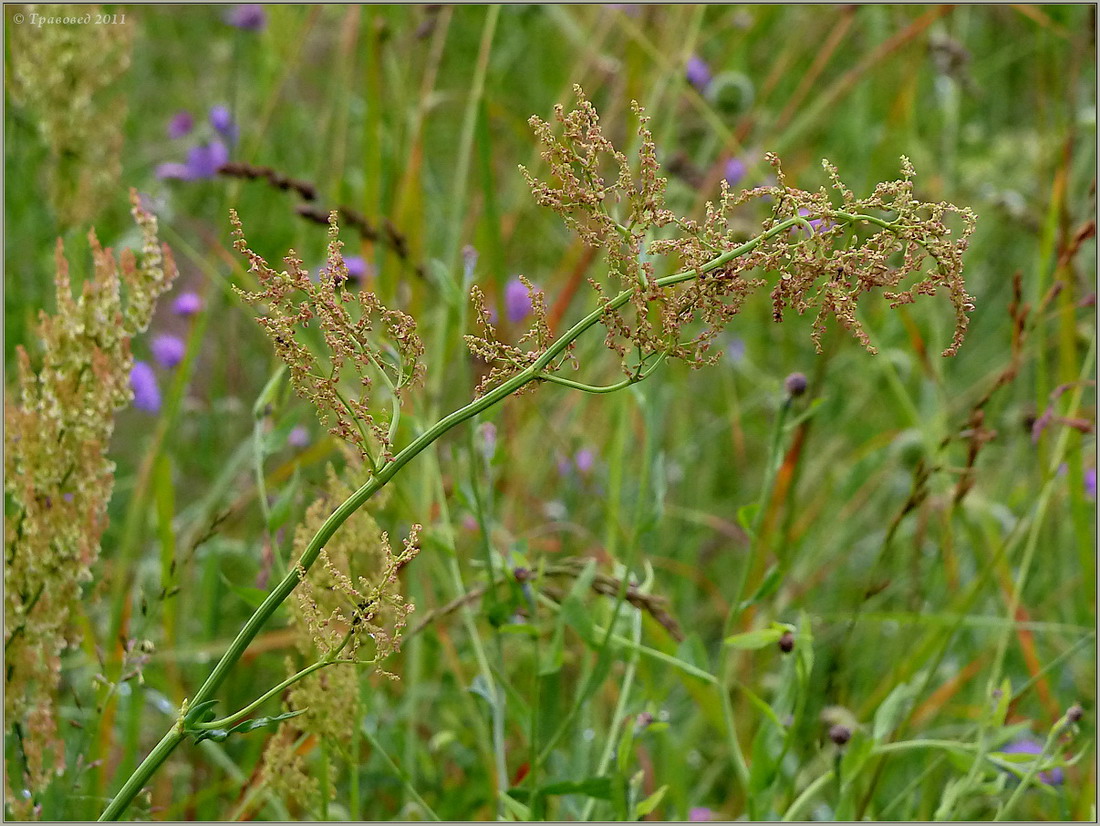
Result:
{"points": [[786, 642], [840, 734], [1075, 713], [796, 384], [521, 574]]}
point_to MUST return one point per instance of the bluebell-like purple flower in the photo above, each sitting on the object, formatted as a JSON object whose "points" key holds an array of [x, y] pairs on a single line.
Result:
{"points": [[202, 162], [298, 437], [698, 73], [1090, 483], [357, 266], [168, 350], [700, 814], [143, 381], [187, 304], [584, 460], [517, 301], [735, 171], [174, 170], [223, 123], [181, 124], [248, 16], [1028, 745]]}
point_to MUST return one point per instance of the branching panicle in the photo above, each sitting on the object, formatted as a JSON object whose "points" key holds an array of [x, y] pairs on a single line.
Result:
{"points": [[365, 343], [57, 476], [825, 261], [348, 611], [67, 77]]}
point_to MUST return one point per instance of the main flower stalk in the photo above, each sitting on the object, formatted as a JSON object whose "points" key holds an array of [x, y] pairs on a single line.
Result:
{"points": [[534, 372]]}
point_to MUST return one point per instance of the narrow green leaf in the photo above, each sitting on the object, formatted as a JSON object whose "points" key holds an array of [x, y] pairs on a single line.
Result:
{"points": [[598, 787], [644, 807], [760, 705], [552, 657], [746, 516], [891, 711], [515, 808], [760, 638], [575, 614], [264, 722], [772, 579], [200, 713], [283, 506]]}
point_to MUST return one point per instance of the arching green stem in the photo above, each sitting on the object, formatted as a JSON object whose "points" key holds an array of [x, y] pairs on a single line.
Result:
{"points": [[385, 473]]}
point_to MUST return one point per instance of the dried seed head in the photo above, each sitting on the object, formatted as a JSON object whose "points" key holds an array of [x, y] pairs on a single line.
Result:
{"points": [[827, 254], [58, 478], [366, 343]]}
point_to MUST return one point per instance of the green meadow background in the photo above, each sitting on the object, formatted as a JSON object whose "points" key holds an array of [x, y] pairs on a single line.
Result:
{"points": [[925, 552]]}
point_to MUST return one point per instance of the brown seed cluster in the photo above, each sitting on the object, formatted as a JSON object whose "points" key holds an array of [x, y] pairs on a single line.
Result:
{"points": [[57, 476], [833, 253], [338, 343]]}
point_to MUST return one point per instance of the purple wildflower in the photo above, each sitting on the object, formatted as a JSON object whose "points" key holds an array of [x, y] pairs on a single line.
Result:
{"points": [[168, 350], [735, 171], [1028, 745], [202, 162], [356, 266], [817, 223], [143, 381], [584, 460], [298, 437], [487, 439], [469, 522], [187, 304], [699, 814], [563, 465], [1090, 483], [181, 124], [795, 384], [248, 16], [174, 169], [222, 121], [698, 73], [517, 301]]}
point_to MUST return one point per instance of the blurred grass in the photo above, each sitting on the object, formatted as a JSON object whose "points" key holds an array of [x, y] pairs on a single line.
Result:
{"points": [[903, 580]]}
